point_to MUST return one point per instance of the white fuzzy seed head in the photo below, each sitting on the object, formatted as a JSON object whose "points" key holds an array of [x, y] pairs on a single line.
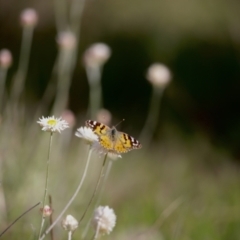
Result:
{"points": [[29, 17], [97, 55], [52, 124], [5, 58], [69, 223], [104, 220], [159, 75]]}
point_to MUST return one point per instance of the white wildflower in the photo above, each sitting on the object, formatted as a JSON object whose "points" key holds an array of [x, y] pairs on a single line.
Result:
{"points": [[87, 134], [69, 223], [159, 75], [52, 124], [104, 220]]}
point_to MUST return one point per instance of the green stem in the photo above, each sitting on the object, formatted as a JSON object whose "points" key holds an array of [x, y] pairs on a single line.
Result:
{"points": [[3, 77], [94, 79], [46, 184], [69, 235], [109, 166], [95, 190], [19, 81], [153, 114], [72, 198]]}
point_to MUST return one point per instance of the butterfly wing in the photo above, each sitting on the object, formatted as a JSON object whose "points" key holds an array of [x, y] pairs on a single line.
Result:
{"points": [[102, 131], [125, 143]]}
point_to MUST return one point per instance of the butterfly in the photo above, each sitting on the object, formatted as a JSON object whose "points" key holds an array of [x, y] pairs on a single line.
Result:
{"points": [[111, 139]]}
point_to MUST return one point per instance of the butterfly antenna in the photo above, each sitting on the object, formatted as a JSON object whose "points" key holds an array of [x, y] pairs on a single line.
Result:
{"points": [[120, 122]]}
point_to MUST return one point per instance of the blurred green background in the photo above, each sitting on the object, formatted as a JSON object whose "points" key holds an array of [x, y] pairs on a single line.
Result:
{"points": [[195, 152]]}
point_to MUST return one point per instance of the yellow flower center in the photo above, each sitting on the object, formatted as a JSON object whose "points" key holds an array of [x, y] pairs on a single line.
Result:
{"points": [[52, 122]]}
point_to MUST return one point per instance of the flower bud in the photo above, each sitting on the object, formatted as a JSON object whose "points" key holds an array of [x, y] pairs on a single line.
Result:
{"points": [[159, 75], [69, 117], [104, 116], [5, 58], [47, 211], [29, 17], [66, 40], [96, 55]]}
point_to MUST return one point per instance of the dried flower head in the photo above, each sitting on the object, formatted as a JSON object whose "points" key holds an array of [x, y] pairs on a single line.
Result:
{"points": [[46, 210], [66, 40], [69, 223], [104, 116], [29, 17], [97, 55], [5, 58], [159, 75], [104, 220], [52, 124]]}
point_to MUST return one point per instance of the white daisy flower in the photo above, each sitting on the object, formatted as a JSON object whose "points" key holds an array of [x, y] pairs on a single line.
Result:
{"points": [[69, 223], [87, 134], [104, 220], [52, 124]]}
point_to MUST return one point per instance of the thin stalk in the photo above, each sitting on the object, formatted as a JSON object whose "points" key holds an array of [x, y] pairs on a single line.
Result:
{"points": [[72, 198], [46, 184], [51, 216], [3, 77], [60, 7], [65, 66], [76, 10], [109, 166], [94, 79], [69, 235], [21, 74], [153, 114], [97, 232], [95, 190], [19, 218]]}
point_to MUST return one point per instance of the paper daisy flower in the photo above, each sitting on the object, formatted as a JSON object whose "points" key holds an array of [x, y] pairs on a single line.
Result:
{"points": [[69, 223], [104, 220], [52, 124], [87, 134]]}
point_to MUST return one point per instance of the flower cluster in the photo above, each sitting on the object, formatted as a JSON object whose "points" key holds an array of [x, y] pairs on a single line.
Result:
{"points": [[104, 220]]}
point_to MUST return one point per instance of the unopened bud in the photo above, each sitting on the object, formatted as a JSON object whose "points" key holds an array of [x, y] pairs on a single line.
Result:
{"points": [[69, 117], [66, 40], [46, 210], [29, 17], [104, 116], [5, 58], [96, 55], [159, 75]]}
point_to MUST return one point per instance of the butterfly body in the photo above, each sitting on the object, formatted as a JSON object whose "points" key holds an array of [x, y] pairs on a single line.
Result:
{"points": [[113, 140]]}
